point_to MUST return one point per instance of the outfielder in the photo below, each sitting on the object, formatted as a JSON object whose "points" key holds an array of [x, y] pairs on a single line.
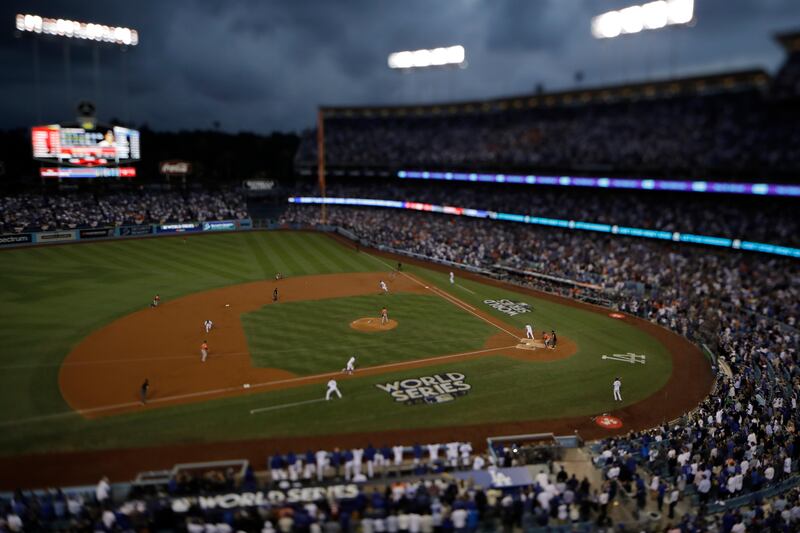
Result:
{"points": [[617, 385], [384, 288], [332, 388], [384, 316], [351, 366], [203, 351], [452, 278], [528, 331], [208, 325]]}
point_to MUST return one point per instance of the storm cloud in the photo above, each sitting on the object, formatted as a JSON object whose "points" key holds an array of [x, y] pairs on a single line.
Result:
{"points": [[263, 66]]}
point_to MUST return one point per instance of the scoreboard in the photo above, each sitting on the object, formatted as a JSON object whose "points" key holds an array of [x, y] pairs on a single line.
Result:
{"points": [[88, 149]]}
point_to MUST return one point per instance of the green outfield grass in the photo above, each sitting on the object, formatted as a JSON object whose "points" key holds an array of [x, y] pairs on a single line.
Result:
{"points": [[54, 296]]}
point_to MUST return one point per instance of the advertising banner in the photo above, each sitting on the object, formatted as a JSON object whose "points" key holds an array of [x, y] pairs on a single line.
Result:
{"points": [[131, 231], [179, 227], [219, 225], [56, 236], [498, 478], [13, 239], [235, 500], [95, 233], [246, 223]]}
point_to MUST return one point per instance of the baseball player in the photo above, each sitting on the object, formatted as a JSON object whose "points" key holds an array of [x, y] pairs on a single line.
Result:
{"points": [[332, 387], [452, 453], [553, 339], [204, 351], [144, 389], [384, 288], [322, 461], [275, 295], [384, 316], [351, 365], [528, 331], [156, 301], [208, 325], [617, 385], [452, 278]]}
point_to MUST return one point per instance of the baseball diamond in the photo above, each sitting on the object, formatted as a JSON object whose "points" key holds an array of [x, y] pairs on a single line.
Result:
{"points": [[75, 384]]}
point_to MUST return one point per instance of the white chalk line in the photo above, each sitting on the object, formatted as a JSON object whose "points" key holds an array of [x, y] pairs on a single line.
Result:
{"points": [[452, 299], [466, 289], [284, 406], [237, 388]]}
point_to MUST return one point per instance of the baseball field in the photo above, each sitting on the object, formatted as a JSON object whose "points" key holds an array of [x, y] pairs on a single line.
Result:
{"points": [[79, 336]]}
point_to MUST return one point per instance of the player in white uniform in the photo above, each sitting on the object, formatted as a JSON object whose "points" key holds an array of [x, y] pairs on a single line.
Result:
{"points": [[452, 278], [384, 288], [529, 331], [351, 365], [617, 385], [332, 388], [208, 325]]}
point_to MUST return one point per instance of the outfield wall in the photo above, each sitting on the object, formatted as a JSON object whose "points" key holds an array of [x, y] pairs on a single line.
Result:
{"points": [[12, 240]]}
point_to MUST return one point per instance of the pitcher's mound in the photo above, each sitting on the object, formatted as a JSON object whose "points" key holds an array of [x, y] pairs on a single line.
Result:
{"points": [[372, 324]]}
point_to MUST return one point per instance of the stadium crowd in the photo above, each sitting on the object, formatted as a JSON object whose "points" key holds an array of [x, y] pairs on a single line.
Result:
{"points": [[730, 216], [36, 212], [418, 503], [745, 307], [731, 134]]}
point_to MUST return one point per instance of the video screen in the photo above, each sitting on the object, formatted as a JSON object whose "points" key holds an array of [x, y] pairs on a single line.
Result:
{"points": [[80, 147]]}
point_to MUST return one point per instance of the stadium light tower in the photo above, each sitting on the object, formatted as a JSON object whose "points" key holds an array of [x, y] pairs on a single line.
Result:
{"points": [[435, 57], [77, 30], [68, 30], [649, 16]]}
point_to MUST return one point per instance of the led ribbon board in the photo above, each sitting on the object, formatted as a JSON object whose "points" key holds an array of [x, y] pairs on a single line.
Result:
{"points": [[723, 187], [674, 236]]}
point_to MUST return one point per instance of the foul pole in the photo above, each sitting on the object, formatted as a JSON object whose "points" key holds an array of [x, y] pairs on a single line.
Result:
{"points": [[321, 159]]}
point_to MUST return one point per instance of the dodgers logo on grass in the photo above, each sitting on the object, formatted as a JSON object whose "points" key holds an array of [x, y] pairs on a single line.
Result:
{"points": [[508, 307], [438, 388]]}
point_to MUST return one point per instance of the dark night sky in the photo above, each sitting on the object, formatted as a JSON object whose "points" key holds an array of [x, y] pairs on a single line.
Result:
{"points": [[265, 65]]}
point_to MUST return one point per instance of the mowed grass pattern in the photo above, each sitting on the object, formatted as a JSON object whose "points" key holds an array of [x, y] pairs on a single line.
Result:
{"points": [[312, 337], [51, 297]]}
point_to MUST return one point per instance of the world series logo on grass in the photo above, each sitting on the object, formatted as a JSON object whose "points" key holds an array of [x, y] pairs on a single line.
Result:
{"points": [[508, 307], [438, 388]]}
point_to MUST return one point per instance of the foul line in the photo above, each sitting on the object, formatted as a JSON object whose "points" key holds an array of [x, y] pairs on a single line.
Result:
{"points": [[284, 406], [237, 388], [452, 299], [466, 289]]}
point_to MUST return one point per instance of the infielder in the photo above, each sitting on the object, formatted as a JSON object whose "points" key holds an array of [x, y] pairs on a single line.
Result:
{"points": [[208, 325], [384, 288], [351, 366], [528, 331], [144, 389], [384, 316], [275, 295], [452, 278], [203, 351], [156, 301], [617, 385], [332, 387]]}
